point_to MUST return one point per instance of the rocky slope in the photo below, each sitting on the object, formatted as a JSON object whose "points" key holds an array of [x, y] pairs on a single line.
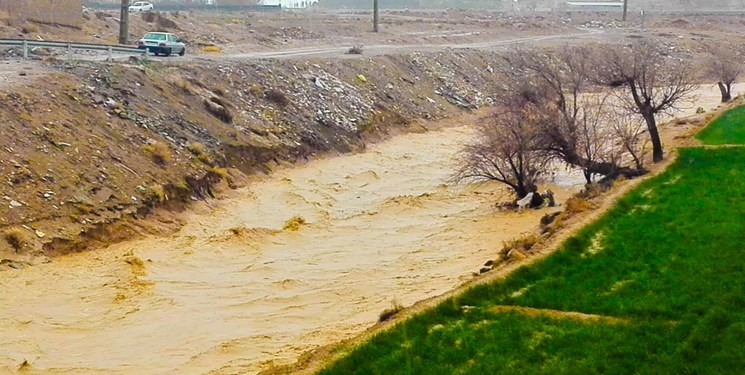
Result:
{"points": [[89, 147]]}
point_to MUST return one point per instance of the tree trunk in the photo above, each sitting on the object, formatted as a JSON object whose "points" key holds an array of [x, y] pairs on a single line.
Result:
{"points": [[588, 175], [726, 92], [654, 136], [608, 170]]}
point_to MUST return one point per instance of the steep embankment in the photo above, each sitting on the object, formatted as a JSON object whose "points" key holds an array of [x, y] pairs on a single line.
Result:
{"points": [[89, 147]]}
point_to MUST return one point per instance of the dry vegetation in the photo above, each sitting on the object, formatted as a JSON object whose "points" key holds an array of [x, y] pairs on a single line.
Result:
{"points": [[159, 152], [17, 238], [579, 106]]}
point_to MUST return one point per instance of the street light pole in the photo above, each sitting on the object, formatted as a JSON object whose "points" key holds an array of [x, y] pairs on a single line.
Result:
{"points": [[375, 16], [124, 23], [625, 9]]}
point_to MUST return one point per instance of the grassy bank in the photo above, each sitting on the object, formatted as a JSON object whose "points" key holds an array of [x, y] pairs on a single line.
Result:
{"points": [[659, 281], [729, 128]]}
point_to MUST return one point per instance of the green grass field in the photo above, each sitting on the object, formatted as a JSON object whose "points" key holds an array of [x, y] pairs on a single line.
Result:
{"points": [[664, 270], [729, 128]]}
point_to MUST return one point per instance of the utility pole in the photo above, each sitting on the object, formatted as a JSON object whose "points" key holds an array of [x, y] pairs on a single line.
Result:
{"points": [[375, 16], [124, 23], [625, 9]]}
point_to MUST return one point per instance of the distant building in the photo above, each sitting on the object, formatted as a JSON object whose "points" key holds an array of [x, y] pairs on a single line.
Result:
{"points": [[594, 5], [54, 12], [288, 4]]}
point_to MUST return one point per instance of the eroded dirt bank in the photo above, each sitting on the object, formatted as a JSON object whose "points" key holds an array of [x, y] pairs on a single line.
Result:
{"points": [[235, 291], [87, 147]]}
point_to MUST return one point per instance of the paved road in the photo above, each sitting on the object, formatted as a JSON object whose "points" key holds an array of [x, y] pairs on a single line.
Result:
{"points": [[370, 50], [381, 49]]}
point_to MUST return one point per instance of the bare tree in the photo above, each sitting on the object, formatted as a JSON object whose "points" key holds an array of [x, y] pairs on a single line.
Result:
{"points": [[651, 84], [725, 67], [629, 133], [505, 150], [571, 118], [596, 141]]}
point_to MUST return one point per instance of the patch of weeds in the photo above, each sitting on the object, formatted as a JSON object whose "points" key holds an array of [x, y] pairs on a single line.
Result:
{"points": [[212, 49], [184, 86], [356, 50], [158, 193], [30, 28], [219, 111], [217, 173], [577, 204], [200, 151], [277, 97], [256, 89], [159, 152], [521, 245], [391, 312], [16, 237]]}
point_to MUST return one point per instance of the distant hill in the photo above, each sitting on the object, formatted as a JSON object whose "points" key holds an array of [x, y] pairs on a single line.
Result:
{"points": [[416, 4], [672, 5]]}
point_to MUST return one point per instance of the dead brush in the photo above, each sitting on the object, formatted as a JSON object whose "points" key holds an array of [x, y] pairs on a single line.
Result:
{"points": [[212, 49], [219, 111], [277, 97], [389, 313], [158, 193], [30, 28], [256, 89], [522, 244], [16, 238], [159, 153], [217, 173], [200, 151], [184, 86], [578, 204], [356, 50]]}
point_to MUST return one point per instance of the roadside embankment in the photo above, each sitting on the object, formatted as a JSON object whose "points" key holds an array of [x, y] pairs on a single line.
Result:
{"points": [[89, 147]]}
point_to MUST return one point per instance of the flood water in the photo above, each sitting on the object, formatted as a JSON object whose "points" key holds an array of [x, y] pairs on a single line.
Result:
{"points": [[236, 292]]}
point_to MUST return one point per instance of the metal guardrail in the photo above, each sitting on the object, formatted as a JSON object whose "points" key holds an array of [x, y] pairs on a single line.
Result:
{"points": [[26, 44]]}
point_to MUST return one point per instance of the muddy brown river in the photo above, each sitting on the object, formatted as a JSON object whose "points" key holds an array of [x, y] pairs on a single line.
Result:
{"points": [[235, 292]]}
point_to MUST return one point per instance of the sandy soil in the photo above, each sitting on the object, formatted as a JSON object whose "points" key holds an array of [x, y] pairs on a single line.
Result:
{"points": [[18, 72]]}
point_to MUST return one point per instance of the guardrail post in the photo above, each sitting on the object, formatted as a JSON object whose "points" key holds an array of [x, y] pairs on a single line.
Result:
{"points": [[111, 53], [25, 49], [69, 51]]}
